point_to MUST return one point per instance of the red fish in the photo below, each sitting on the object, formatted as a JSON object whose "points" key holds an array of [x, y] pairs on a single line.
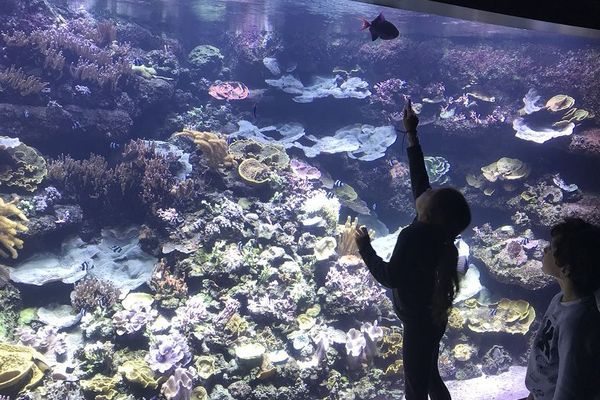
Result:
{"points": [[380, 28]]}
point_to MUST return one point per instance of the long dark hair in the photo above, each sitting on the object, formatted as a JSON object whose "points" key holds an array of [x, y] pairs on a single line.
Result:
{"points": [[449, 209]]}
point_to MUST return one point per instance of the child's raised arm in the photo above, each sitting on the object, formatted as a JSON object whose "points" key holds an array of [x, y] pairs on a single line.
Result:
{"points": [[418, 174]]}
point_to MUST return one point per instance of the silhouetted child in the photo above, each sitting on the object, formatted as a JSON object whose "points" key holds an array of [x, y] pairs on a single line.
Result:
{"points": [[422, 271], [564, 363]]}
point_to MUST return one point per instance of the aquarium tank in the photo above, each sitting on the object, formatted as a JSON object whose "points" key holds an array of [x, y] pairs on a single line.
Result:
{"points": [[180, 182]]}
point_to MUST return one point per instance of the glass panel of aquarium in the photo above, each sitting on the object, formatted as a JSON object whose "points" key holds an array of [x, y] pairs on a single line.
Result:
{"points": [[216, 199]]}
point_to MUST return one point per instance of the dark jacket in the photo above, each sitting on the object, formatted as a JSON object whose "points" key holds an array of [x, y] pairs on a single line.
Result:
{"points": [[410, 273]]}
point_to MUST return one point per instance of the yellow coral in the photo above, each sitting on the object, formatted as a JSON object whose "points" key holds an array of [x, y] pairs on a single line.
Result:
{"points": [[104, 387], [511, 316], [455, 319], [237, 325], [391, 345], [199, 393], [21, 367], [305, 322], [10, 228], [205, 365], [22, 165], [394, 369], [313, 311], [213, 146], [137, 371], [253, 171], [463, 352], [346, 242]]}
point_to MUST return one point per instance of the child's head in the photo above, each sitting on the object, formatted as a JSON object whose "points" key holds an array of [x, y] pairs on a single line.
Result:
{"points": [[574, 254], [444, 206]]}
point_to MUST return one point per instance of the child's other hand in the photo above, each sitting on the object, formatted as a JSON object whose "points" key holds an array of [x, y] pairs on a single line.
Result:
{"points": [[361, 235], [410, 119]]}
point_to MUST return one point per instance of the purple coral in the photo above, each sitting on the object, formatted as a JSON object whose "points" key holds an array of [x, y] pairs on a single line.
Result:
{"points": [[46, 339], [42, 201], [275, 304], [192, 313], [168, 351], [133, 319], [179, 385], [361, 345], [389, 92], [303, 170], [514, 252], [231, 307]]}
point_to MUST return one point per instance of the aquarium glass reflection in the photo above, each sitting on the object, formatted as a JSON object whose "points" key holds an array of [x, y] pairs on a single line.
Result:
{"points": [[180, 184]]}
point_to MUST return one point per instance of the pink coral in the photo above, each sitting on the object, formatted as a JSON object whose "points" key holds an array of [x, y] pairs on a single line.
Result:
{"points": [[303, 170], [228, 91]]}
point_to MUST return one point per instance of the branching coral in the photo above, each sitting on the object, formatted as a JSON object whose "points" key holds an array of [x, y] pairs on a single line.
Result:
{"points": [[9, 228], [167, 286], [346, 244], [84, 44], [18, 80], [100, 188], [90, 293], [213, 146]]}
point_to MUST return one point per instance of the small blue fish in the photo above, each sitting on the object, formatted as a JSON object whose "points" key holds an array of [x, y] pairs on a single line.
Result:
{"points": [[114, 145], [338, 183], [230, 139], [26, 114], [116, 249]]}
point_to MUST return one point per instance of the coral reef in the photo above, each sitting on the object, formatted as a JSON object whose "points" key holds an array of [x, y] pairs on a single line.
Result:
{"points": [[84, 44], [9, 228], [168, 352], [92, 292], [19, 81], [511, 257], [228, 91], [169, 288], [100, 188], [21, 367], [213, 147], [510, 316], [242, 278], [339, 299], [23, 167]]}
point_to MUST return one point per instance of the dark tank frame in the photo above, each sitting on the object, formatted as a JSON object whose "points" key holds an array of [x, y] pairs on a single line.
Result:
{"points": [[578, 18]]}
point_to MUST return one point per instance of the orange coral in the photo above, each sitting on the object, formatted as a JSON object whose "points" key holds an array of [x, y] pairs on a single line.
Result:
{"points": [[213, 146], [165, 284]]}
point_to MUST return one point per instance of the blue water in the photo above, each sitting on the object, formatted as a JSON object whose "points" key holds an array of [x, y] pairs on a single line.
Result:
{"points": [[468, 80]]}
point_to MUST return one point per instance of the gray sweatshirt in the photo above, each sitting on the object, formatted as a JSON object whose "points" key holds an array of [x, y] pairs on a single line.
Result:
{"points": [[564, 363]]}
